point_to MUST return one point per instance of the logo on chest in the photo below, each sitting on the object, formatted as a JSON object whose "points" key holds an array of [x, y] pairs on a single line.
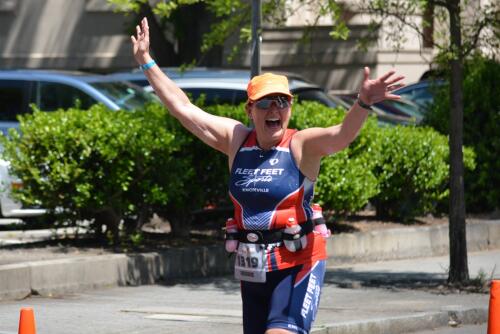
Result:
{"points": [[273, 162], [250, 178]]}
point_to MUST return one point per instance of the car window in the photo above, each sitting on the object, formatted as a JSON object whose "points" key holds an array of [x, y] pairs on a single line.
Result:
{"points": [[316, 95], [53, 95], [400, 108], [217, 95], [13, 98], [125, 95], [140, 82], [422, 95]]}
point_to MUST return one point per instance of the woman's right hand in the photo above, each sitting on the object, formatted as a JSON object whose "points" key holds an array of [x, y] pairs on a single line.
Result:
{"points": [[140, 42]]}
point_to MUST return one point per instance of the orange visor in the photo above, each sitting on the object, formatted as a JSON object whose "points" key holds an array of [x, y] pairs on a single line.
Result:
{"points": [[268, 83]]}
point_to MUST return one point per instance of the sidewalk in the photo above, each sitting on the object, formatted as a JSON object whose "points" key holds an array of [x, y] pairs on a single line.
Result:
{"points": [[403, 295], [61, 270], [381, 296], [388, 297]]}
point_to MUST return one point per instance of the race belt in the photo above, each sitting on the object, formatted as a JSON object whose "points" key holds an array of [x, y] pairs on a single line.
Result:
{"points": [[268, 236]]}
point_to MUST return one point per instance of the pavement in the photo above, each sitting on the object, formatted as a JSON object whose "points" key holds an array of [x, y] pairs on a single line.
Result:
{"points": [[384, 295]]}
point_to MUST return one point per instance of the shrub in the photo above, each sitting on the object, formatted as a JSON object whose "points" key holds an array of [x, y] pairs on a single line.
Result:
{"points": [[97, 164], [106, 166], [207, 184], [481, 98], [412, 173]]}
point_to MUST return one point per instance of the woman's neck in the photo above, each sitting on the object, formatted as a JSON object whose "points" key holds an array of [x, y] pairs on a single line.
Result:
{"points": [[266, 145]]}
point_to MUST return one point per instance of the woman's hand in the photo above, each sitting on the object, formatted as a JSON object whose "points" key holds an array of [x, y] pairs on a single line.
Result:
{"points": [[140, 42], [376, 90]]}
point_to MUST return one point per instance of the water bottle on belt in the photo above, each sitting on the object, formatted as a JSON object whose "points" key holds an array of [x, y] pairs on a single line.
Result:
{"points": [[319, 221], [231, 227], [292, 239]]}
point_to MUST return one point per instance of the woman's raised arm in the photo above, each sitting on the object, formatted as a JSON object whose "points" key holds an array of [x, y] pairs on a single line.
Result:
{"points": [[217, 132]]}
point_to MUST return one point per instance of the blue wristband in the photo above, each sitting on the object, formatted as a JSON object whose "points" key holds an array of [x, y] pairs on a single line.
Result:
{"points": [[147, 66]]}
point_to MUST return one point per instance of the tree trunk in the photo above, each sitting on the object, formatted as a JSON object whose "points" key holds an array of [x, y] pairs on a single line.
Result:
{"points": [[180, 221], [163, 49], [111, 219], [428, 26], [459, 272]]}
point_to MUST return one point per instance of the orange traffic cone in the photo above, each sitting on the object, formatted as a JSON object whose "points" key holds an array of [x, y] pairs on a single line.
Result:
{"points": [[494, 315], [27, 321]]}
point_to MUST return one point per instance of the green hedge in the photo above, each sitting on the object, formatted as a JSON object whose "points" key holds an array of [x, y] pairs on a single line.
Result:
{"points": [[413, 172], [98, 164], [106, 166]]}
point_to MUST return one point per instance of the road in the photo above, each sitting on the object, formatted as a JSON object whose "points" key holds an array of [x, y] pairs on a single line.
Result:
{"points": [[359, 292], [468, 329]]}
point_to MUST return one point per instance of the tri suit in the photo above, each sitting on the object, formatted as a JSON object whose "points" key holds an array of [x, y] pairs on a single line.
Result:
{"points": [[267, 188]]}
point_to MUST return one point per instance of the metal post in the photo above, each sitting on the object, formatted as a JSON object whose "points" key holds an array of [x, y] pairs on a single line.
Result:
{"points": [[256, 37]]}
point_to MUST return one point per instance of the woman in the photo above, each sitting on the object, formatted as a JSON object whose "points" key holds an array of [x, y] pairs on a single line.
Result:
{"points": [[273, 170]]}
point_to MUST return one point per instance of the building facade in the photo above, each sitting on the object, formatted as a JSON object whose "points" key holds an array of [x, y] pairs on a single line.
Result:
{"points": [[88, 35]]}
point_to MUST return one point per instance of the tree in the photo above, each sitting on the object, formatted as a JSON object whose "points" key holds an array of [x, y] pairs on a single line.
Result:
{"points": [[175, 27], [469, 29], [221, 19]]}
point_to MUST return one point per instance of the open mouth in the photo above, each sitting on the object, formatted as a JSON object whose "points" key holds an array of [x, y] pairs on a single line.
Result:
{"points": [[273, 123]]}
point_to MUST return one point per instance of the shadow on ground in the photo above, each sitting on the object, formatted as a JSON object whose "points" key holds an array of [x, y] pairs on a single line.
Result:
{"points": [[431, 282]]}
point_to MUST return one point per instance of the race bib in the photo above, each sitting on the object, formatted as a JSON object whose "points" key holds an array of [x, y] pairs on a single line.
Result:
{"points": [[250, 263]]}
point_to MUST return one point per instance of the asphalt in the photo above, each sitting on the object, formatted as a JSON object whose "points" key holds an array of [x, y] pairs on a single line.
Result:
{"points": [[382, 295]]}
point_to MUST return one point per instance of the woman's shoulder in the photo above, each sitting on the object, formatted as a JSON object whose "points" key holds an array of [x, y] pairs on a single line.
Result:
{"points": [[241, 133]]}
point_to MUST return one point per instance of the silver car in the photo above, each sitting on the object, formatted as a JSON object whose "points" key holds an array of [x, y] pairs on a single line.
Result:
{"points": [[228, 86]]}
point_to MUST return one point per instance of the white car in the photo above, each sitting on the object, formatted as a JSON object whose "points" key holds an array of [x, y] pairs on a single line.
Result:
{"points": [[9, 207]]}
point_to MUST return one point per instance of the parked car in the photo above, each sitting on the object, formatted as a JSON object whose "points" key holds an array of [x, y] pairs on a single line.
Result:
{"points": [[421, 93], [9, 207], [392, 112], [229, 86], [221, 86], [51, 90]]}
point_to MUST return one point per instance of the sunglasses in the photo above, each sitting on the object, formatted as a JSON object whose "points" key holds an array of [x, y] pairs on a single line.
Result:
{"points": [[265, 103]]}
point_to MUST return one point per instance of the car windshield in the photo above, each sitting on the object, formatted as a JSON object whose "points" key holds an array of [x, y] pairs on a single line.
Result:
{"points": [[125, 95], [421, 96], [316, 95], [406, 108]]}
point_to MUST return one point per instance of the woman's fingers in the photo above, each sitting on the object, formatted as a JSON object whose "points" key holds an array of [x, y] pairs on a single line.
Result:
{"points": [[392, 97], [138, 31], [366, 72], [386, 76], [394, 80], [394, 87]]}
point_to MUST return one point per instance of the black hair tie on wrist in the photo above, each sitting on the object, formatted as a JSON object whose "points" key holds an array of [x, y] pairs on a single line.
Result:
{"points": [[362, 104]]}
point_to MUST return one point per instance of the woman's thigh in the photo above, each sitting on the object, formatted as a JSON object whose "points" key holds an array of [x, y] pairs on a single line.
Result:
{"points": [[288, 300]]}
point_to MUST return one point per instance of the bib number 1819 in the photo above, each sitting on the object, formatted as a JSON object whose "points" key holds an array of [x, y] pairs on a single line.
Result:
{"points": [[250, 263]]}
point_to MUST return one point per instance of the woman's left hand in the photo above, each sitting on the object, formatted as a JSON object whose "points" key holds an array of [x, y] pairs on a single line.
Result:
{"points": [[376, 90]]}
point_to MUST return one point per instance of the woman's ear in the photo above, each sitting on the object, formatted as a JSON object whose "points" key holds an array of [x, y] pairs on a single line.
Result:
{"points": [[248, 110]]}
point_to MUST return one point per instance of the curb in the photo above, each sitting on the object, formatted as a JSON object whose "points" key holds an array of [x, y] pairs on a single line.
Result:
{"points": [[406, 324], [55, 277], [410, 242]]}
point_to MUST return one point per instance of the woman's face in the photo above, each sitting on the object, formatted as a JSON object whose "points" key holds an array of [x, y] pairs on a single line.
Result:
{"points": [[270, 115]]}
